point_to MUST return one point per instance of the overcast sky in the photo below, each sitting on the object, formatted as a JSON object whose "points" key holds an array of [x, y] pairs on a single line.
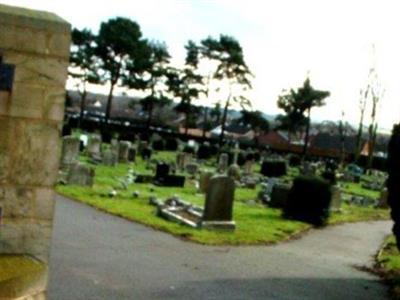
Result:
{"points": [[282, 42]]}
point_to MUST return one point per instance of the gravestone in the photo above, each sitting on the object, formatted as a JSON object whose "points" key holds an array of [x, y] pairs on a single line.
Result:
{"points": [[249, 182], [109, 158], [223, 162], [236, 152], [192, 168], [383, 199], [248, 167], [146, 153], [142, 145], [180, 160], [35, 53], [336, 201], [123, 153], [204, 181], [234, 172], [79, 174], [132, 154], [172, 181], [93, 147], [70, 150], [279, 195], [219, 204], [162, 170], [307, 169]]}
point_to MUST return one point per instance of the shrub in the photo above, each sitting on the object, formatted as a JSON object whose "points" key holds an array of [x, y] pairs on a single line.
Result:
{"points": [[294, 160], [214, 149], [204, 152], [158, 145], [309, 200], [329, 176], [171, 144], [188, 149], [250, 156], [106, 136], [273, 168], [241, 159]]}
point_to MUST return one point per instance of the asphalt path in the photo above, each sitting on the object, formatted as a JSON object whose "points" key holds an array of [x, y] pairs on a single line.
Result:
{"points": [[98, 256]]}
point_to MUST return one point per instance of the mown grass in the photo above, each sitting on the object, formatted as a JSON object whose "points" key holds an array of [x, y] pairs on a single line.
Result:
{"points": [[255, 224], [356, 189], [388, 265]]}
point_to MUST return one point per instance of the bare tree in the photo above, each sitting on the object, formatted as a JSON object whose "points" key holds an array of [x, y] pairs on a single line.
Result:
{"points": [[361, 105], [376, 92], [342, 135]]}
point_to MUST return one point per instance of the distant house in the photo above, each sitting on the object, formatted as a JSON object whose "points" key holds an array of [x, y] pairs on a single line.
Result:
{"points": [[234, 132], [333, 142], [274, 139], [195, 132]]}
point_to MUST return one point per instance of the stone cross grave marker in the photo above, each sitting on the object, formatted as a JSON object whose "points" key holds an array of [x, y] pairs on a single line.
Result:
{"points": [[236, 152]]}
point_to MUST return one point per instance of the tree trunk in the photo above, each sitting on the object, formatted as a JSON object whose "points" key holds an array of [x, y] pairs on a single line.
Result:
{"points": [[150, 116], [205, 121], [113, 81], [342, 151], [186, 123], [359, 138], [224, 116], [151, 107], [306, 138], [109, 104], [342, 140], [372, 146], [393, 180], [83, 105]]}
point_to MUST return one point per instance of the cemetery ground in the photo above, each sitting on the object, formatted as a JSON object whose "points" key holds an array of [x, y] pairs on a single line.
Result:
{"points": [[388, 265], [99, 256], [255, 223]]}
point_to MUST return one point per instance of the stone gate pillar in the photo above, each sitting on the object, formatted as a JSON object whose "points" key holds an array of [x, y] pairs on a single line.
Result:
{"points": [[34, 47]]}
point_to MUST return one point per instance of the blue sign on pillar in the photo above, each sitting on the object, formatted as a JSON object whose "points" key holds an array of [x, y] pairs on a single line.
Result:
{"points": [[6, 76]]}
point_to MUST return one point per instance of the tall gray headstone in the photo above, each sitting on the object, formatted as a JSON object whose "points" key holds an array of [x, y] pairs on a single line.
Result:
{"points": [[110, 157], [80, 174], [123, 153], [219, 204], [336, 201], [248, 167], [93, 147], [70, 151]]}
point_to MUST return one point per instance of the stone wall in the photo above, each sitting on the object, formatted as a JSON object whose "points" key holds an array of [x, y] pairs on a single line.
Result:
{"points": [[31, 115]]}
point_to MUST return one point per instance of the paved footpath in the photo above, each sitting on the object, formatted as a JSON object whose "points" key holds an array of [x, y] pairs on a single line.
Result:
{"points": [[98, 256]]}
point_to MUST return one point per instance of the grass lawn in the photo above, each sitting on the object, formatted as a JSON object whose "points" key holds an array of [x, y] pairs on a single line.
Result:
{"points": [[388, 265], [255, 224], [356, 189]]}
